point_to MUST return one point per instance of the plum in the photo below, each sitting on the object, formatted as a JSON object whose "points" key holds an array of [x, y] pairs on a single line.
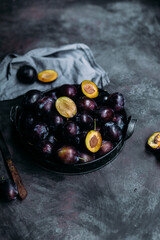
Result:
{"points": [[112, 131], [116, 101], [47, 76], [67, 154], [68, 90], [119, 120], [30, 98], [85, 120], [93, 141], [45, 148], [85, 157], [39, 131], [56, 121], [69, 131], [87, 104], [26, 74], [8, 190], [106, 147], [52, 94], [102, 98], [45, 105], [66, 107], [105, 113], [89, 89]]}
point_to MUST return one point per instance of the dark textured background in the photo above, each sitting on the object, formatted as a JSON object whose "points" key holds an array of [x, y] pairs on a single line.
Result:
{"points": [[120, 201]]}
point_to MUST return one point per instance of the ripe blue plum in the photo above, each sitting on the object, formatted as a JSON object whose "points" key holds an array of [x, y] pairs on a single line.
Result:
{"points": [[68, 154], [116, 101]]}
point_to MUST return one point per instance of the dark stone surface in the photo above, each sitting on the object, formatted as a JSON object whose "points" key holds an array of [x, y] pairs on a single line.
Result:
{"points": [[120, 201]]}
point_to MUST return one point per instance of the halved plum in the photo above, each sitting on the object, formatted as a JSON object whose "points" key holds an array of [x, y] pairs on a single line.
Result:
{"points": [[93, 141], [89, 89], [154, 141], [47, 76], [66, 107]]}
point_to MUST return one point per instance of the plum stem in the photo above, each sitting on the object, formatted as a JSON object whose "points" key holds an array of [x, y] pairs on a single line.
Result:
{"points": [[55, 139], [94, 124], [2, 178], [82, 158]]}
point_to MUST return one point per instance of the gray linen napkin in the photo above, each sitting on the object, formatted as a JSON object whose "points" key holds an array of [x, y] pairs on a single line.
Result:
{"points": [[73, 63]]}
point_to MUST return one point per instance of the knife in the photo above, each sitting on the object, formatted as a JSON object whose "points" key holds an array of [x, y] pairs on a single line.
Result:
{"points": [[12, 169]]}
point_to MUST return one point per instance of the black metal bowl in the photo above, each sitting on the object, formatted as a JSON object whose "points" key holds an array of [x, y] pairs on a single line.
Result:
{"points": [[78, 168]]}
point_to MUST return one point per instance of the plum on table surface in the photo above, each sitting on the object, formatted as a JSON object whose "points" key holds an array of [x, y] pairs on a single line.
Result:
{"points": [[8, 190]]}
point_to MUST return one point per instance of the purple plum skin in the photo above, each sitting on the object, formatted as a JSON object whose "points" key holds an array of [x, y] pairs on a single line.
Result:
{"points": [[106, 147], [68, 91], [116, 101], [30, 99], [67, 154], [8, 190], [112, 131], [86, 104]]}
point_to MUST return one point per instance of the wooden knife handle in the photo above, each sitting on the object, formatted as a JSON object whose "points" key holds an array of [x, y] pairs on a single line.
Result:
{"points": [[17, 179]]}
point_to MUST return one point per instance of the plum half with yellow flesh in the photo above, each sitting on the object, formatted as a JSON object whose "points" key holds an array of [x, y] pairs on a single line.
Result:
{"points": [[93, 141], [47, 76], [154, 141], [66, 107], [89, 89]]}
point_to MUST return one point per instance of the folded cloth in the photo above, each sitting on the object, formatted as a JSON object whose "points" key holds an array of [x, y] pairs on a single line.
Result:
{"points": [[73, 63]]}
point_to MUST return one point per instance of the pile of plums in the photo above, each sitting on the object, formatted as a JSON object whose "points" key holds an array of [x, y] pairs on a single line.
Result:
{"points": [[72, 123]]}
